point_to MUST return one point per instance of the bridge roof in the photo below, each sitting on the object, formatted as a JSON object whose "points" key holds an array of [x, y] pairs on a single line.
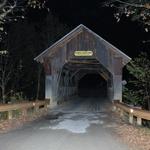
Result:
{"points": [[74, 32]]}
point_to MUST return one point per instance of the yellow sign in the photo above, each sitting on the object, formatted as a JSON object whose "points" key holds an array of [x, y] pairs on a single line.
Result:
{"points": [[83, 53]]}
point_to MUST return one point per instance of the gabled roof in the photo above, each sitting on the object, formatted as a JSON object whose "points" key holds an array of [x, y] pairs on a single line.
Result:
{"points": [[78, 29]]}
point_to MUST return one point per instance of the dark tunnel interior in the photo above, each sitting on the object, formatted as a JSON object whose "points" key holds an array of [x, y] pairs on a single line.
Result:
{"points": [[92, 85]]}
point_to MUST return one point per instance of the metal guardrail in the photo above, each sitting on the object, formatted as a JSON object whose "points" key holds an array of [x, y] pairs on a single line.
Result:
{"points": [[139, 114], [23, 108]]}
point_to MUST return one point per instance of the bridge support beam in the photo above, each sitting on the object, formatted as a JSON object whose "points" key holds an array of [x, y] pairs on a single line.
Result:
{"points": [[117, 78], [117, 82], [48, 90]]}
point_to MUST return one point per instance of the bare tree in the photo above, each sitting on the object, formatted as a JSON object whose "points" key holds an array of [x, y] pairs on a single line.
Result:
{"points": [[12, 10], [137, 10], [2, 3], [38, 81], [5, 72]]}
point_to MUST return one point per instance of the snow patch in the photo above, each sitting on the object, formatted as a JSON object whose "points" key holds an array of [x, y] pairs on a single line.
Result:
{"points": [[76, 122], [103, 115], [43, 128], [97, 122], [74, 126]]}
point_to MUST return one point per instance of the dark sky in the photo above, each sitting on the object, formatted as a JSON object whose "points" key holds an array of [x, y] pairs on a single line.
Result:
{"points": [[125, 35]]}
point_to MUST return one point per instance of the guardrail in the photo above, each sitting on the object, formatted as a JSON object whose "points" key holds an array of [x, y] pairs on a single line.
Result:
{"points": [[23, 108], [132, 112]]}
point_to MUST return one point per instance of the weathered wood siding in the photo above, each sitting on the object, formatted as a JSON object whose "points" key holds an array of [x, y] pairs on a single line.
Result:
{"points": [[82, 42]]}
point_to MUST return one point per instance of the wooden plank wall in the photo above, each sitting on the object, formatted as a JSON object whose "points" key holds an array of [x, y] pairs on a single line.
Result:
{"points": [[65, 54]]}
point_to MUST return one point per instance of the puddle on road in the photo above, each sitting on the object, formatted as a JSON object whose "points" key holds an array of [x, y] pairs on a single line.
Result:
{"points": [[74, 126]]}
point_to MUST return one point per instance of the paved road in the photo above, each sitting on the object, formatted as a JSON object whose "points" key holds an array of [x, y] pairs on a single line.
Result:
{"points": [[81, 125]]}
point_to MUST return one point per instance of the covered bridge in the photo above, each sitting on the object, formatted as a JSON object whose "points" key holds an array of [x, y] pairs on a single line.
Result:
{"points": [[82, 63]]}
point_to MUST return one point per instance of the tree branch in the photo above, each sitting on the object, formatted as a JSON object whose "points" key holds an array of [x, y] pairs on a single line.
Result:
{"points": [[3, 3], [133, 4], [146, 5], [5, 13]]}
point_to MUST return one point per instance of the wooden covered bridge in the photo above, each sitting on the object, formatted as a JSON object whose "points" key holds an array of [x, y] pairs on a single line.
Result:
{"points": [[82, 63]]}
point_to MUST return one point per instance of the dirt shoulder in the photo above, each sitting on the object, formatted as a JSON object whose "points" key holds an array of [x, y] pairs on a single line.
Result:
{"points": [[138, 138]]}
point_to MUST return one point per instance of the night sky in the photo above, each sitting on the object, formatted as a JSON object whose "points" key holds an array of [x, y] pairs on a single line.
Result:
{"points": [[125, 35]]}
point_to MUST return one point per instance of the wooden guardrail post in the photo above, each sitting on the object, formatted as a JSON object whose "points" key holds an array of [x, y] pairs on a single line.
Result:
{"points": [[36, 107], [45, 106], [130, 118], [10, 114], [24, 112], [121, 113], [133, 112], [139, 121], [114, 108]]}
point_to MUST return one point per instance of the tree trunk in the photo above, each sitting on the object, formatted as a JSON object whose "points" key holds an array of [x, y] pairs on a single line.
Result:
{"points": [[3, 94], [38, 82], [147, 98]]}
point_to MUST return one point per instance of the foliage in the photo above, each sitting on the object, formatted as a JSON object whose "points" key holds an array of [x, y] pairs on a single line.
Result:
{"points": [[16, 97], [5, 72], [139, 84], [137, 10], [13, 10], [11, 62], [9, 11], [131, 97], [8, 71], [37, 4]]}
